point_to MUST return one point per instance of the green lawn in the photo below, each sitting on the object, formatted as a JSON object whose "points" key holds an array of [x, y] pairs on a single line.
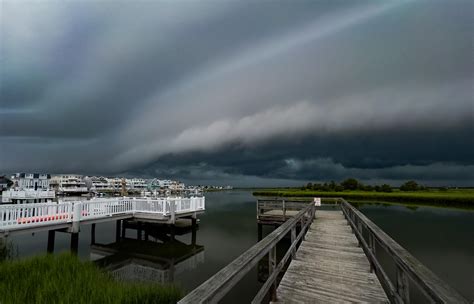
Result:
{"points": [[455, 198], [65, 279]]}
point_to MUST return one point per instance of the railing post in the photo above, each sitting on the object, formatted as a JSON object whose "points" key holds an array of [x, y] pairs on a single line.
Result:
{"points": [[372, 248], [172, 210], [284, 210], [302, 227], [402, 285], [76, 216], [293, 239], [271, 269], [359, 228]]}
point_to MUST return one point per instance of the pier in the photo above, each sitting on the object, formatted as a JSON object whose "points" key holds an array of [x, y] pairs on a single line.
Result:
{"points": [[336, 254], [331, 259]]}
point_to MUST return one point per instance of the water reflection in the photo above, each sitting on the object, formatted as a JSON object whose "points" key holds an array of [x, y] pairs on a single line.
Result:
{"points": [[155, 255], [153, 260]]}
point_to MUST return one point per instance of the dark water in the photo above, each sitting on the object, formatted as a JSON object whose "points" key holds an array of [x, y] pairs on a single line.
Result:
{"points": [[442, 239]]}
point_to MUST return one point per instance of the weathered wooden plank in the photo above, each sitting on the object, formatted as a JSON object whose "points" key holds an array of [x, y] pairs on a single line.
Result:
{"points": [[330, 267]]}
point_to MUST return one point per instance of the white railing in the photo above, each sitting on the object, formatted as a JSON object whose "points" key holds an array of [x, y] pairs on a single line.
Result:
{"points": [[28, 194], [73, 189], [17, 216]]}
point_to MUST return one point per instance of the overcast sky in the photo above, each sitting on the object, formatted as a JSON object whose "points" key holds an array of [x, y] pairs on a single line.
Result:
{"points": [[240, 92]]}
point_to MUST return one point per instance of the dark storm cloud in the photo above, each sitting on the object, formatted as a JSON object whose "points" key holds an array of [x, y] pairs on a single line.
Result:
{"points": [[238, 90]]}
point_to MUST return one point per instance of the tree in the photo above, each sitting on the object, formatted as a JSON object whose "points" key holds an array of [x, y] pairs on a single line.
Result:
{"points": [[309, 186], [409, 186], [350, 184], [368, 188], [385, 188]]}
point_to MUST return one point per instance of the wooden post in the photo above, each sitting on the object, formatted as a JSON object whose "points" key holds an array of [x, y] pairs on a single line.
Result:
{"points": [[76, 218], [402, 285], [117, 231], [260, 232], [194, 228], [372, 248], [93, 234], [271, 269], [74, 242], [146, 228], [172, 210], [293, 239], [284, 210], [123, 228], [172, 232], [302, 228], [359, 228], [258, 211], [171, 271], [139, 231], [51, 236]]}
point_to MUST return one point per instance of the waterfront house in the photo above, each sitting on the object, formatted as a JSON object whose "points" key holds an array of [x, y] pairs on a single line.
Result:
{"points": [[29, 188]]}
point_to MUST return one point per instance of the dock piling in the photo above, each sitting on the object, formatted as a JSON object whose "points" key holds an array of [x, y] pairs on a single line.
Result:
{"points": [[74, 242], [51, 236]]}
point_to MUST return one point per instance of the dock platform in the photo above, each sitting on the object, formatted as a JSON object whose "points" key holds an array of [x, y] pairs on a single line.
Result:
{"points": [[330, 266]]}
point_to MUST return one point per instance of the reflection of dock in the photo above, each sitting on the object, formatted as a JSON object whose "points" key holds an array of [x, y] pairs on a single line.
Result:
{"points": [[134, 260], [154, 256]]}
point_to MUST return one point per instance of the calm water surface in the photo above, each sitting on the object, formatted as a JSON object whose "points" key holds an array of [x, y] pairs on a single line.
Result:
{"points": [[443, 239]]}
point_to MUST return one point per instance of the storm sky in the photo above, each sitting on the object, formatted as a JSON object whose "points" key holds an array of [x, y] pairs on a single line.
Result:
{"points": [[249, 93]]}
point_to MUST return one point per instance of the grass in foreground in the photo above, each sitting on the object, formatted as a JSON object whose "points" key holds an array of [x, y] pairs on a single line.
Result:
{"points": [[450, 198], [65, 279]]}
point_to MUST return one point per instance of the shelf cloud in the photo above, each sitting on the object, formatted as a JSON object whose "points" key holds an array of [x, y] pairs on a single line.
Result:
{"points": [[246, 92]]}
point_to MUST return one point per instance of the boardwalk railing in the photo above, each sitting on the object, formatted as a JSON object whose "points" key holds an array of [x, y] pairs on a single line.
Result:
{"points": [[408, 268], [222, 282], [18, 216], [265, 207]]}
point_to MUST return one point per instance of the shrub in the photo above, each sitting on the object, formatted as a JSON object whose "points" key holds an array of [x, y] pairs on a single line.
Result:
{"points": [[409, 186], [350, 184]]}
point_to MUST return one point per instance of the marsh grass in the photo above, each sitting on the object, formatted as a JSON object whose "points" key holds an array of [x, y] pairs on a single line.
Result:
{"points": [[450, 198], [65, 279]]}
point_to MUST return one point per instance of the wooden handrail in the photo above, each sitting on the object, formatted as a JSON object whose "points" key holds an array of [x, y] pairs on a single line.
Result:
{"points": [[222, 282], [407, 266]]}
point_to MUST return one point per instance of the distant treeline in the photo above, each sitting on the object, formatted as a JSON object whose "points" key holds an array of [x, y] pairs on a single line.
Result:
{"points": [[352, 184]]}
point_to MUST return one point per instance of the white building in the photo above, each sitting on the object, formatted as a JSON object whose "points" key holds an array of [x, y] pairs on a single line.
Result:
{"points": [[29, 188], [101, 184], [136, 183], [69, 184], [115, 183]]}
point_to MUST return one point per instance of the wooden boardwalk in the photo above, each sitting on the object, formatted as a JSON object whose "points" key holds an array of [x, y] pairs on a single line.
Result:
{"points": [[330, 267]]}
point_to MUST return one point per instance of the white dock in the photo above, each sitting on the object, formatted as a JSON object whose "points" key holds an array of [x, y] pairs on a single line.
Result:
{"points": [[25, 218]]}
